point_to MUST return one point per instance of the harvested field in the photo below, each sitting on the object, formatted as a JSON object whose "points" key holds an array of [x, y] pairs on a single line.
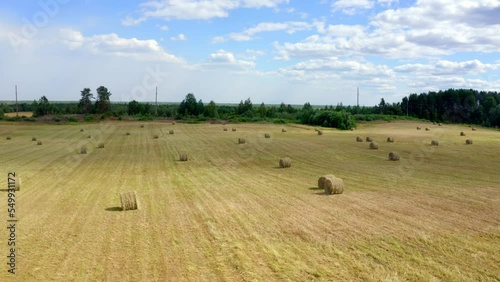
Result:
{"points": [[229, 213]]}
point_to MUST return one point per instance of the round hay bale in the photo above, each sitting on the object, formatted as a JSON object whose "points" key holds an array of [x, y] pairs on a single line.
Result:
{"points": [[390, 139], [100, 145], [440, 124], [171, 131], [468, 141], [129, 201], [427, 129], [88, 136], [233, 129], [322, 180], [373, 146], [285, 162], [334, 185], [434, 143], [83, 149], [393, 156], [283, 130], [473, 129], [183, 157], [81, 129], [352, 129], [33, 138], [359, 139], [128, 133], [39, 142], [155, 136], [173, 123], [142, 125], [316, 129], [462, 133], [267, 135], [418, 128], [320, 132], [369, 139], [241, 140], [9, 138], [225, 129], [433, 123]]}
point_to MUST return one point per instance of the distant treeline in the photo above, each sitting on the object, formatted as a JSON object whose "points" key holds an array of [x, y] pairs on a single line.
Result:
{"points": [[451, 106]]}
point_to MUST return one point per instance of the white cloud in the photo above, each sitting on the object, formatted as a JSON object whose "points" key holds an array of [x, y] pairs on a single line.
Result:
{"points": [[428, 29], [443, 67], [179, 37], [163, 27], [350, 7], [129, 21], [248, 34], [226, 60], [112, 44], [200, 9]]}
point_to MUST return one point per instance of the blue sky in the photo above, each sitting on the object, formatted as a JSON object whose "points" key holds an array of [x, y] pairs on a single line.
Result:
{"points": [[272, 51]]}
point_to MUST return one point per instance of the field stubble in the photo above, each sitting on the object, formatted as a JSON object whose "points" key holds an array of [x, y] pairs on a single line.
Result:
{"points": [[230, 213]]}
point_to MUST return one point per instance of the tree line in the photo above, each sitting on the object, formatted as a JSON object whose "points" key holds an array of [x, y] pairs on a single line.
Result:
{"points": [[452, 106]]}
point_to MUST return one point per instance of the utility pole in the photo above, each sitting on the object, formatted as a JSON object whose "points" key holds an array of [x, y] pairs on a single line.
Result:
{"points": [[156, 101], [17, 106], [407, 102], [358, 97]]}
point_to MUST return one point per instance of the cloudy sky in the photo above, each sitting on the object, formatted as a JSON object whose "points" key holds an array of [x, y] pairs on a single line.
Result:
{"points": [[315, 51]]}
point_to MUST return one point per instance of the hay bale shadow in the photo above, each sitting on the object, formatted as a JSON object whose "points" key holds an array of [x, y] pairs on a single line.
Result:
{"points": [[321, 193], [315, 188], [114, 209]]}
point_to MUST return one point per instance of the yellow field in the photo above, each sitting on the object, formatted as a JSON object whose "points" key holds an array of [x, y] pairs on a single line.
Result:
{"points": [[26, 114], [229, 213]]}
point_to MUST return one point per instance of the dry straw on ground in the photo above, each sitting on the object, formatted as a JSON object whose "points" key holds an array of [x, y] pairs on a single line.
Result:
{"points": [[468, 141], [39, 142], [241, 140], [283, 130], [320, 132], [462, 133], [369, 139], [331, 184], [434, 143], [171, 131], [100, 145], [373, 146], [393, 156], [285, 162], [390, 139], [83, 149], [33, 138], [183, 157], [359, 139], [129, 201], [267, 135]]}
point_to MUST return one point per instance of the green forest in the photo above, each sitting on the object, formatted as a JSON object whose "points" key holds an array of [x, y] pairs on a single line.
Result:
{"points": [[466, 106]]}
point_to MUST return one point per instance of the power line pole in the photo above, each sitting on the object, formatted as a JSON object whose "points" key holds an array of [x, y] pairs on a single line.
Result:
{"points": [[358, 97], [17, 105], [407, 102], [156, 101]]}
